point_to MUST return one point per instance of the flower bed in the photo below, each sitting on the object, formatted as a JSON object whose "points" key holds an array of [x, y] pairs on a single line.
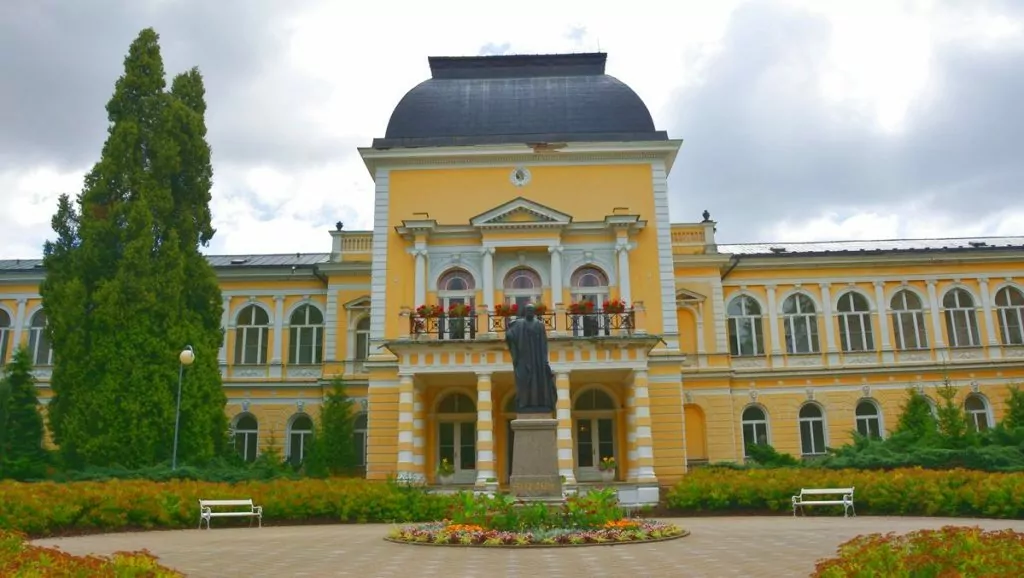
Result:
{"points": [[950, 551], [902, 492], [619, 532], [18, 558]]}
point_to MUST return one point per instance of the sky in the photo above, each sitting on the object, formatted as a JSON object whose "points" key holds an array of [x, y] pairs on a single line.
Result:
{"points": [[802, 120]]}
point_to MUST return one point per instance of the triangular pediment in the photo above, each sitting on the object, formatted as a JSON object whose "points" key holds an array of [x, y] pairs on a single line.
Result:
{"points": [[521, 211], [358, 303], [688, 296]]}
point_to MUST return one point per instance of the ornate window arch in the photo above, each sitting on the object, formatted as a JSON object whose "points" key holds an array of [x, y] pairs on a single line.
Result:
{"points": [[801, 323], [39, 346], [869, 419], [246, 434], [855, 329], [456, 286], [813, 432], [5, 331], [252, 333], [746, 328], [961, 318], [306, 339], [1010, 311], [979, 414], [589, 283], [300, 434], [908, 325], [754, 423], [522, 285]]}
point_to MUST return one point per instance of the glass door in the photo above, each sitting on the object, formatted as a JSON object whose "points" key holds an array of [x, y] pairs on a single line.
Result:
{"points": [[595, 440], [457, 444]]}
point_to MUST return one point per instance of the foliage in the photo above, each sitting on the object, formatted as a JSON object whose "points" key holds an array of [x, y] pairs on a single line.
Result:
{"points": [[767, 456], [949, 551], [20, 559], [333, 450], [21, 425], [902, 492], [621, 531], [952, 422], [49, 508], [916, 419], [126, 286], [1014, 416]]}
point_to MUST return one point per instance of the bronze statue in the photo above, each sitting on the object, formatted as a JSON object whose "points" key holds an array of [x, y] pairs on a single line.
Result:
{"points": [[527, 340]]}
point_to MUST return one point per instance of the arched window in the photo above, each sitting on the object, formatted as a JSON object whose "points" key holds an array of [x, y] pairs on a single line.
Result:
{"points": [[589, 284], [594, 426], [908, 321], [855, 323], [746, 332], [977, 412], [252, 331], [359, 438], [812, 430], [961, 318], [5, 330], [1010, 309], [522, 287], [362, 350], [38, 343], [456, 286], [456, 435], [801, 324], [306, 346], [754, 422], [247, 436], [869, 419], [299, 435]]}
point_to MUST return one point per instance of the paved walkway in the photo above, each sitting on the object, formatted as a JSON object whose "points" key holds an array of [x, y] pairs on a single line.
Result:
{"points": [[727, 546]]}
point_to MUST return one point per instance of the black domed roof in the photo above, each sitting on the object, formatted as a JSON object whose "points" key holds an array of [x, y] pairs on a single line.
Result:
{"points": [[518, 99]]}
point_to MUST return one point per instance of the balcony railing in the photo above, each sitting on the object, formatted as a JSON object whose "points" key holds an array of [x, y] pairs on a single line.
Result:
{"points": [[596, 323]]}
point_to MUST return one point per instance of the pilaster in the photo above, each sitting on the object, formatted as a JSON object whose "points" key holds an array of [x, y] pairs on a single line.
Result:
{"points": [[563, 412], [933, 304], [19, 324], [485, 468], [420, 285], [225, 321], [882, 311], [622, 249], [830, 324], [994, 351], [418, 433], [488, 274], [556, 276], [406, 390], [644, 441], [773, 325], [275, 358]]}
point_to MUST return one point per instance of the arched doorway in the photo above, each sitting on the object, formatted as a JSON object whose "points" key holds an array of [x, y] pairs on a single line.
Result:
{"points": [[594, 432], [456, 435]]}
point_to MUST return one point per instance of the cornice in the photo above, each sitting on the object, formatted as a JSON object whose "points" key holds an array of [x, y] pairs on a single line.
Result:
{"points": [[930, 258]]}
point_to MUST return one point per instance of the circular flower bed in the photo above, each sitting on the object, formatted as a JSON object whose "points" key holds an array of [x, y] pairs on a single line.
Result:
{"points": [[622, 531]]}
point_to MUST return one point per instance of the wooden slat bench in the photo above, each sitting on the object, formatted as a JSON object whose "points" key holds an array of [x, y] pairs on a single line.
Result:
{"points": [[206, 511], [845, 499]]}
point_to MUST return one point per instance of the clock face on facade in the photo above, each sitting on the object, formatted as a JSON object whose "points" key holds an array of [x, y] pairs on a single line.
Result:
{"points": [[520, 176]]}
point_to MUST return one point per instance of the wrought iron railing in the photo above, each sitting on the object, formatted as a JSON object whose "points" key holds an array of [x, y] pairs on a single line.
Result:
{"points": [[596, 323]]}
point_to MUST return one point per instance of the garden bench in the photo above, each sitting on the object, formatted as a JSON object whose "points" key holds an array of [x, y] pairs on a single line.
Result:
{"points": [[845, 500], [206, 511]]}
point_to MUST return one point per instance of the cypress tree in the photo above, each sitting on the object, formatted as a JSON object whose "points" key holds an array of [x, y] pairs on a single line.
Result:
{"points": [[21, 424], [126, 286]]}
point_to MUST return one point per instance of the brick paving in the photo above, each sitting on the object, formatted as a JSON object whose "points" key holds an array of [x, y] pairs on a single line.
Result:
{"points": [[724, 546]]}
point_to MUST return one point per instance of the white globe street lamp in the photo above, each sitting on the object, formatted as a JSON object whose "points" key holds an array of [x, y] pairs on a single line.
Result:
{"points": [[186, 358]]}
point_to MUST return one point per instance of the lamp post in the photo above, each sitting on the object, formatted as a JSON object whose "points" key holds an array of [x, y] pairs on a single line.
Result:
{"points": [[186, 357]]}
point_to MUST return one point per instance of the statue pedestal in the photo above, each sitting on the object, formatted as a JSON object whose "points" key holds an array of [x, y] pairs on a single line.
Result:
{"points": [[535, 458]]}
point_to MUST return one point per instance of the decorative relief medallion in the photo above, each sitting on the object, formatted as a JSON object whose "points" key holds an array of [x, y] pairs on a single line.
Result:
{"points": [[520, 176]]}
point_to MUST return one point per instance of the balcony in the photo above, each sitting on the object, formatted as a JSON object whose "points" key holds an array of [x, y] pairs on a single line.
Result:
{"points": [[488, 324]]}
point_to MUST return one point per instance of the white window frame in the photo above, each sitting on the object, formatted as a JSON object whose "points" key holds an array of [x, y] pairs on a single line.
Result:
{"points": [[956, 311], [866, 420], [361, 436], [813, 422], [248, 329], [979, 419], [756, 424], [904, 312], [1010, 310], [795, 318], [597, 294], [522, 295], [305, 435], [304, 333], [247, 432], [753, 321], [850, 313], [38, 343], [6, 328], [447, 296]]}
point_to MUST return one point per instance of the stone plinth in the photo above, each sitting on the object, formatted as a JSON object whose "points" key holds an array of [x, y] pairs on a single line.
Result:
{"points": [[535, 457]]}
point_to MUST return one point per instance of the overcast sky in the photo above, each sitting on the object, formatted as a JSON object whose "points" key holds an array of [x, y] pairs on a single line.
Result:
{"points": [[801, 120]]}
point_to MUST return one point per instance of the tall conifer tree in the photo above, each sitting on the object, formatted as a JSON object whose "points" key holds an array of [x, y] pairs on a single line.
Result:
{"points": [[126, 286]]}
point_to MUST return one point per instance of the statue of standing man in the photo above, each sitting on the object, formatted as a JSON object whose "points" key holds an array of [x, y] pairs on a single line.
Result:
{"points": [[527, 340]]}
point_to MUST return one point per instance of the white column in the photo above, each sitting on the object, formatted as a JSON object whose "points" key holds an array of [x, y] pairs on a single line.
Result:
{"points": [[882, 309], [421, 276], [563, 412], [19, 325], [484, 429], [773, 323], [225, 318], [556, 276], [488, 273], [406, 464], [702, 351], [275, 356], [331, 323], [622, 248], [994, 351], [933, 302], [644, 442], [830, 330]]}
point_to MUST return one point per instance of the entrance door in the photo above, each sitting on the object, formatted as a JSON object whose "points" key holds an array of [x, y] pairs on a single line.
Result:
{"points": [[595, 440], [457, 444]]}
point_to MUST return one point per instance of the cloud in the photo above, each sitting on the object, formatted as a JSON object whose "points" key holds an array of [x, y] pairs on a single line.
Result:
{"points": [[767, 144]]}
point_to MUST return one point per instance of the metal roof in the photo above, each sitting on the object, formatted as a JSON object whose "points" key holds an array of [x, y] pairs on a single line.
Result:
{"points": [[880, 246], [218, 261]]}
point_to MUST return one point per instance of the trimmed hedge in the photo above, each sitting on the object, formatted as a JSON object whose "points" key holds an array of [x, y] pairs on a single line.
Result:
{"points": [[910, 492], [18, 558]]}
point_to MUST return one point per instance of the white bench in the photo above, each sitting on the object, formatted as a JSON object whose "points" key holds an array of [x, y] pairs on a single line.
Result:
{"points": [[845, 499], [206, 511]]}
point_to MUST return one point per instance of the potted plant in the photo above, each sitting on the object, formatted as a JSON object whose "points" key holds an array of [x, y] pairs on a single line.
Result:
{"points": [[614, 306], [428, 311], [459, 310], [445, 471], [540, 308], [607, 468], [581, 308], [506, 309]]}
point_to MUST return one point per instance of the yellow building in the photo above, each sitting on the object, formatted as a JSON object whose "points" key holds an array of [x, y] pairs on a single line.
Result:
{"points": [[512, 179]]}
